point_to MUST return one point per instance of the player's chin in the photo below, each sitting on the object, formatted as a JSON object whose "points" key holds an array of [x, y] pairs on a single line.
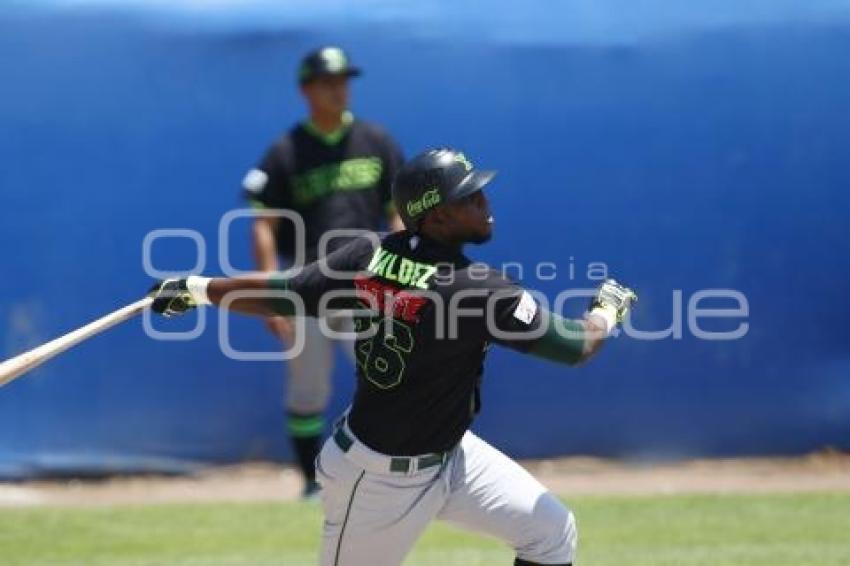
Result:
{"points": [[482, 235], [334, 105], [339, 103]]}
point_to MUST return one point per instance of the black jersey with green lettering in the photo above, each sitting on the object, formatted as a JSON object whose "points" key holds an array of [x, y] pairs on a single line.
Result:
{"points": [[335, 181], [425, 316]]}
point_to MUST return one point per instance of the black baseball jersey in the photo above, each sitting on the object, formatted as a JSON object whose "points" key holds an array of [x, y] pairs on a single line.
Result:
{"points": [[425, 316], [338, 181]]}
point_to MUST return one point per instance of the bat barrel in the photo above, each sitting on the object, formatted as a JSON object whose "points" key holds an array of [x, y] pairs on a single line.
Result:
{"points": [[22, 363]]}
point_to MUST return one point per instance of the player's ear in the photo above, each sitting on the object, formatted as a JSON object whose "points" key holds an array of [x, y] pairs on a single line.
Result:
{"points": [[439, 215], [435, 221], [432, 223]]}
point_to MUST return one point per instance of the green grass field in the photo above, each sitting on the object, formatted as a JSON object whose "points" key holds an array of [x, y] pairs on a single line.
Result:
{"points": [[811, 529]]}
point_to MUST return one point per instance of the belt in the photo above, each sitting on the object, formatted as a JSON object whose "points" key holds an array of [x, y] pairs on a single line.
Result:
{"points": [[399, 464]]}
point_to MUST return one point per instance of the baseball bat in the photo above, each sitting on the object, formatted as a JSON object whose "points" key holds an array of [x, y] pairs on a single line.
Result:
{"points": [[22, 363]]}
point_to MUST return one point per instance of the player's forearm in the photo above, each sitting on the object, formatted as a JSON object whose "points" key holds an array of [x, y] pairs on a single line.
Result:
{"points": [[239, 294], [595, 333], [265, 246], [570, 341], [257, 295], [576, 341]]}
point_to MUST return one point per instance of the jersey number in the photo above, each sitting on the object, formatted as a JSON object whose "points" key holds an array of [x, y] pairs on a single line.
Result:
{"points": [[382, 358]]}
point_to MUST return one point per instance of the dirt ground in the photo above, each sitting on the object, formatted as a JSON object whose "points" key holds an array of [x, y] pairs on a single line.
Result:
{"points": [[580, 476]]}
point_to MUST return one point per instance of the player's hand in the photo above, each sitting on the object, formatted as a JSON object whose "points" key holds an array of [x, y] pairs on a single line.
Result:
{"points": [[281, 327], [614, 297], [171, 297]]}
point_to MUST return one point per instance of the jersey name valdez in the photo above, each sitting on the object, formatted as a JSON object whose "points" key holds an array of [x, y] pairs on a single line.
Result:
{"points": [[425, 316], [394, 267]]}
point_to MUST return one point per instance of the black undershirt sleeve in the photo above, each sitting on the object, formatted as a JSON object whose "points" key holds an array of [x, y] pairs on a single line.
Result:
{"points": [[516, 320], [324, 285]]}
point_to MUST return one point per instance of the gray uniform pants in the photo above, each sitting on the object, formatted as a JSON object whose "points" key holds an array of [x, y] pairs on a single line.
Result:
{"points": [[373, 516]]}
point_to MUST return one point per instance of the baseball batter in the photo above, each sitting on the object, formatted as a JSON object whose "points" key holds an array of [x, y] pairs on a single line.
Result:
{"points": [[336, 172], [403, 455]]}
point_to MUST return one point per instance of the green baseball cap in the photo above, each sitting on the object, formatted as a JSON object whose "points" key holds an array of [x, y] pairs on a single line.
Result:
{"points": [[328, 60]]}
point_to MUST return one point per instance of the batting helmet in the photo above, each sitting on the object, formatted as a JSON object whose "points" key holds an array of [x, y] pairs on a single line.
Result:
{"points": [[432, 178]]}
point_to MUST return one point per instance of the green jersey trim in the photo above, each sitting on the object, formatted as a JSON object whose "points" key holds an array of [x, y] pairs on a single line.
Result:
{"points": [[334, 137]]}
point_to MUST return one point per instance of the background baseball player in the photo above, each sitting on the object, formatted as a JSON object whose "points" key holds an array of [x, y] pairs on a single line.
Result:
{"points": [[403, 454], [335, 171]]}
